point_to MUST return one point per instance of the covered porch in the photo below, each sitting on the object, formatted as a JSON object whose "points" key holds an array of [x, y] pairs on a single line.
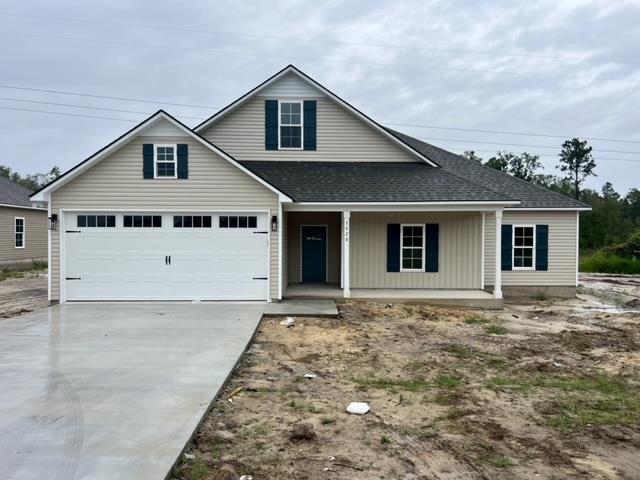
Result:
{"points": [[345, 251]]}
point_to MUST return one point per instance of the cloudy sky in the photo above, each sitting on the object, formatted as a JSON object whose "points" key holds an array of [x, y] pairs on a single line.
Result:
{"points": [[538, 67]]}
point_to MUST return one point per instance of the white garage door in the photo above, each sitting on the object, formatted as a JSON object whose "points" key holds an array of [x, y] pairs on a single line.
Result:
{"points": [[165, 256]]}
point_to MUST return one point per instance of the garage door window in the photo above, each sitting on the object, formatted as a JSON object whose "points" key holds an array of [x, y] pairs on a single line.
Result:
{"points": [[192, 221], [238, 221], [98, 221], [142, 221]]}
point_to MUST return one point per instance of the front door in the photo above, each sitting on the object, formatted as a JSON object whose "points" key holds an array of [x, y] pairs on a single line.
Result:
{"points": [[314, 253]]}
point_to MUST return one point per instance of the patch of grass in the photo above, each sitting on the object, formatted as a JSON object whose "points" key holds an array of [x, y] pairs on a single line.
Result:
{"points": [[309, 358], [327, 420], [494, 329], [195, 469], [498, 461], [416, 365], [540, 296], [601, 262], [477, 321], [515, 384], [454, 414], [392, 384], [385, 440], [447, 381], [39, 265], [461, 351], [5, 274]]}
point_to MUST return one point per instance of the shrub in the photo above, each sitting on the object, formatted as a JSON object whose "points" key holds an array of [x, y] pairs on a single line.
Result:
{"points": [[602, 262]]}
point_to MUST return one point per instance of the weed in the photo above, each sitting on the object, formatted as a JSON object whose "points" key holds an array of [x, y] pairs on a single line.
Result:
{"points": [[495, 330], [327, 420], [393, 385], [416, 365], [499, 461], [385, 440], [477, 321], [446, 381], [509, 383], [464, 352], [39, 265], [540, 296], [309, 358]]}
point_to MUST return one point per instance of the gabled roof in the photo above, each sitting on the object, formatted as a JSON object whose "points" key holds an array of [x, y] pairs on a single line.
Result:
{"points": [[531, 196], [290, 69], [41, 195], [383, 182], [13, 194]]}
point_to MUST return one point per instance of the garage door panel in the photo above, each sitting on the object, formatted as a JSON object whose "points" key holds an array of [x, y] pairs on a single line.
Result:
{"points": [[125, 263]]}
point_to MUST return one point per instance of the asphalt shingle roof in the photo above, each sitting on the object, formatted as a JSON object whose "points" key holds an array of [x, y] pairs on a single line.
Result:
{"points": [[531, 196], [369, 182], [13, 194]]}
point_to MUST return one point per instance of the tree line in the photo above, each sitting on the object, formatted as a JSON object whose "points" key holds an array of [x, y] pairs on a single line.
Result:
{"points": [[614, 217]]}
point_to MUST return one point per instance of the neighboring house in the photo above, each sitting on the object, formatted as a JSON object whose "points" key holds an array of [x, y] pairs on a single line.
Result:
{"points": [[23, 226], [291, 191]]}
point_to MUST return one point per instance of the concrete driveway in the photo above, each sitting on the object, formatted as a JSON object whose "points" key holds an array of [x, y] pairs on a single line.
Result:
{"points": [[112, 391]]}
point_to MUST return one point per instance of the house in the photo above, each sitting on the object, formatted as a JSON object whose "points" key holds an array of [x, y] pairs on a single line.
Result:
{"points": [[23, 226], [291, 191]]}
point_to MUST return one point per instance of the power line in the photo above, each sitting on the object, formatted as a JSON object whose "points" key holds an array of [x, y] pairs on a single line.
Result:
{"points": [[126, 99], [324, 41], [58, 104], [310, 59], [511, 133], [555, 156], [130, 120], [42, 102]]}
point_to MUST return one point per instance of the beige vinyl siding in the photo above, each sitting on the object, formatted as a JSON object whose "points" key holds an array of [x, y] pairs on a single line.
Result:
{"points": [[562, 249], [116, 183], [295, 221], [459, 251], [291, 86], [341, 137], [35, 224]]}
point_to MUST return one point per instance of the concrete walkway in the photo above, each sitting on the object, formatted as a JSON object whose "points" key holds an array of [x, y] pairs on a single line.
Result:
{"points": [[112, 391], [322, 307]]}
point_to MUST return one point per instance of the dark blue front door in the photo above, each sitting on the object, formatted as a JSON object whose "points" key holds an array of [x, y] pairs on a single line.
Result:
{"points": [[314, 254]]}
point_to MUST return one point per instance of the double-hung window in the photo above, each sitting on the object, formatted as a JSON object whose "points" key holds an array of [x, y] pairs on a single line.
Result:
{"points": [[19, 232], [290, 127], [412, 248], [165, 161], [524, 247]]}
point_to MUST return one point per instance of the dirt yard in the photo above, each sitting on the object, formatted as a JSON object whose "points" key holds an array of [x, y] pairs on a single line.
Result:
{"points": [[549, 390], [22, 292]]}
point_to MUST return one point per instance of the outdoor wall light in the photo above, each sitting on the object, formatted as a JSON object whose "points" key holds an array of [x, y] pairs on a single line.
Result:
{"points": [[53, 222], [274, 223]]}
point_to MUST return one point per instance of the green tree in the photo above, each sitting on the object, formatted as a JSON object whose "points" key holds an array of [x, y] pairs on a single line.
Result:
{"points": [[577, 162], [525, 166], [31, 182], [471, 155], [501, 161]]}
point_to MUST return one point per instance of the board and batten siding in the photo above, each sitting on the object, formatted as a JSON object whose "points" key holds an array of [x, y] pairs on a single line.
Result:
{"points": [[35, 222], [341, 137], [332, 220], [116, 183], [562, 249], [459, 251]]}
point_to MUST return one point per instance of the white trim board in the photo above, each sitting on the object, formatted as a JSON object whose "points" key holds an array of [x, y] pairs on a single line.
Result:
{"points": [[290, 69], [41, 195], [7, 205]]}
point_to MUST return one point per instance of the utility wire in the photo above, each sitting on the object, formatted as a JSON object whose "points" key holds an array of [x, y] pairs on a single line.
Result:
{"points": [[323, 41], [431, 139], [130, 121], [310, 59]]}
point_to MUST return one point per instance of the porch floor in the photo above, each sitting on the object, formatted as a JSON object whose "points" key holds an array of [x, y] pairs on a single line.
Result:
{"points": [[454, 297]]}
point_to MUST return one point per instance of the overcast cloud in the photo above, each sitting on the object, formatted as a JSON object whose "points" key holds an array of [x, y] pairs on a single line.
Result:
{"points": [[577, 72]]}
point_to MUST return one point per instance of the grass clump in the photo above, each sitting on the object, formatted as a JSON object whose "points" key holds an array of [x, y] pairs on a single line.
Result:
{"points": [[446, 381], [386, 440], [464, 352], [392, 384], [603, 262], [494, 329], [477, 321], [327, 420]]}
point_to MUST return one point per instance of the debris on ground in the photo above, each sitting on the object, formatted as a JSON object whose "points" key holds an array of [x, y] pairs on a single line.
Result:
{"points": [[358, 408], [288, 322], [557, 397], [189, 456], [225, 472]]}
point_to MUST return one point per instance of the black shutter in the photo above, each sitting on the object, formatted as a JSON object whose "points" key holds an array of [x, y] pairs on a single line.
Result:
{"points": [[542, 247], [432, 234], [393, 247], [271, 124], [507, 247], [183, 160], [147, 160], [309, 124]]}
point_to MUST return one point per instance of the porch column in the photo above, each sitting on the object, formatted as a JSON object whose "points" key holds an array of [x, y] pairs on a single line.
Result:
{"points": [[497, 282], [346, 218]]}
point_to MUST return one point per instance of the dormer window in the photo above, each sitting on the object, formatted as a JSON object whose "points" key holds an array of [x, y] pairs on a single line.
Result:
{"points": [[165, 161], [290, 126]]}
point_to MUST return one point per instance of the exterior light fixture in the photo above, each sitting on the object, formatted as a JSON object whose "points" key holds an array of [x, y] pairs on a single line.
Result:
{"points": [[53, 222], [274, 223]]}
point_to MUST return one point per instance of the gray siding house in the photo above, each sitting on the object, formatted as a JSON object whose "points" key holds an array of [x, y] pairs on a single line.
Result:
{"points": [[23, 226], [292, 192]]}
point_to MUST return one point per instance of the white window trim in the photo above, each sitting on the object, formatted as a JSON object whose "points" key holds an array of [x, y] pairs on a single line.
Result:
{"points": [[155, 160], [24, 232], [301, 102], [402, 225], [513, 247]]}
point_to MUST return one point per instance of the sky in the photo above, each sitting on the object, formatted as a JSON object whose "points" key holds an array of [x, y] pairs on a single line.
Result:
{"points": [[549, 68]]}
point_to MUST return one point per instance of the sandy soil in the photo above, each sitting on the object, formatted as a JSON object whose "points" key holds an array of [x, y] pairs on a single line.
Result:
{"points": [[23, 295], [547, 390]]}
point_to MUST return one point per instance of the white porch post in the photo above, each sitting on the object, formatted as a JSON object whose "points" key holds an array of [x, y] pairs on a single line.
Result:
{"points": [[497, 282], [346, 218]]}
